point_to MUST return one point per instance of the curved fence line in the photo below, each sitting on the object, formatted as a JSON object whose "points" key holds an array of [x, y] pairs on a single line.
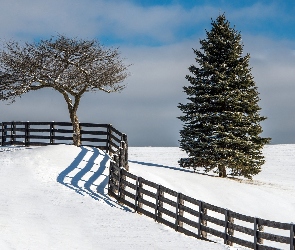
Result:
{"points": [[194, 217]]}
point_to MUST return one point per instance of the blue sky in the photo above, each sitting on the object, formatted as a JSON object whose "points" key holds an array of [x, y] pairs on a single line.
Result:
{"points": [[157, 38]]}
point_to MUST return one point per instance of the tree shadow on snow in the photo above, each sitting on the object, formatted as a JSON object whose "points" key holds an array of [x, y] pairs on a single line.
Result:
{"points": [[174, 168], [161, 166], [83, 173]]}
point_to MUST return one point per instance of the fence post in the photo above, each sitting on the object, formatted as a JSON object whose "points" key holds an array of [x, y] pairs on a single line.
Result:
{"points": [[159, 203], [27, 134], [136, 194], [116, 182], [202, 221], [257, 228], [4, 134], [228, 230], [52, 132], [121, 186], [122, 155], [139, 195], [124, 138], [179, 212], [255, 233], [110, 177], [12, 133], [122, 164], [292, 246], [202, 212], [109, 139]]}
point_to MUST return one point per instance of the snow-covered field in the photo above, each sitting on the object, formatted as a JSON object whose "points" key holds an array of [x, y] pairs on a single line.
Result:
{"points": [[55, 197]]}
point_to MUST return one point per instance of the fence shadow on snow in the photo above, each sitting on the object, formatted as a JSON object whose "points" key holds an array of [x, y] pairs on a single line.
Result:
{"points": [[88, 175]]}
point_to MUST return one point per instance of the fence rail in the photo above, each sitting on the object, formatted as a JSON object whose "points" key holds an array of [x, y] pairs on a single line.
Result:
{"points": [[103, 136], [194, 217]]}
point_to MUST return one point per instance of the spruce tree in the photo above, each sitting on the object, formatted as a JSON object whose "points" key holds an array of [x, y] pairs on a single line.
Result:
{"points": [[221, 121]]}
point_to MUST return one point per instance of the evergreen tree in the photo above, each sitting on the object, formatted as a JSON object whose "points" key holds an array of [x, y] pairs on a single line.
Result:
{"points": [[221, 120]]}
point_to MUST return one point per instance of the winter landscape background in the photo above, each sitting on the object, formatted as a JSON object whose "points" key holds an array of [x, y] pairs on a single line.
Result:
{"points": [[55, 197]]}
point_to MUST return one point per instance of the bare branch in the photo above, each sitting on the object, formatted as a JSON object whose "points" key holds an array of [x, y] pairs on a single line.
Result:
{"points": [[70, 66]]}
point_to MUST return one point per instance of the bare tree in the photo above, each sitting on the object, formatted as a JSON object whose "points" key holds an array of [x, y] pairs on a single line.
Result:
{"points": [[70, 66]]}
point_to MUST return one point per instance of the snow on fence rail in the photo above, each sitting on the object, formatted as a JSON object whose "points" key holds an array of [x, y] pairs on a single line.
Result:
{"points": [[103, 136], [193, 217]]}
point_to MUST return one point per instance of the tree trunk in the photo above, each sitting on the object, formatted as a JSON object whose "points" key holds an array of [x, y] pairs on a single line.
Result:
{"points": [[76, 129], [222, 171]]}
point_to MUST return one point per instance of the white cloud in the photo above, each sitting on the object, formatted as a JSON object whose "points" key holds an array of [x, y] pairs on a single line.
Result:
{"points": [[88, 18]]}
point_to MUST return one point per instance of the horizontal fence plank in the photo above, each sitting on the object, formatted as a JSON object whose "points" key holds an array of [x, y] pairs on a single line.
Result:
{"points": [[93, 125], [273, 237], [130, 195], [62, 131], [16, 129], [93, 139], [167, 201], [191, 200], [129, 175], [114, 145], [47, 137], [187, 232], [104, 148], [189, 210], [241, 216], [40, 130], [116, 131], [145, 202], [169, 191], [127, 203], [147, 213], [118, 140], [214, 208], [213, 220], [129, 184], [212, 231], [85, 132], [13, 123], [167, 212], [63, 124], [188, 221], [241, 229], [241, 242], [146, 192], [18, 136], [274, 224], [165, 222], [150, 183]]}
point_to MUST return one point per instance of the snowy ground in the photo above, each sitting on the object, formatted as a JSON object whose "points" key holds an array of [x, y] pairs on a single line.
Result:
{"points": [[54, 197]]}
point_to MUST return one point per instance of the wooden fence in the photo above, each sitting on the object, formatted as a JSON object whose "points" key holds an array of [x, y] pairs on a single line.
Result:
{"points": [[103, 136], [193, 217]]}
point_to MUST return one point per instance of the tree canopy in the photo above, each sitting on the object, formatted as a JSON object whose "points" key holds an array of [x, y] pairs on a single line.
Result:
{"points": [[221, 121], [70, 66]]}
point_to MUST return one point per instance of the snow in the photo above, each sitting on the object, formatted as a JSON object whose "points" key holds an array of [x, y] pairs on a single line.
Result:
{"points": [[55, 197]]}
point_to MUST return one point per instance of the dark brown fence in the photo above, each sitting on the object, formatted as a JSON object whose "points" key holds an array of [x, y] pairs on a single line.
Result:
{"points": [[103, 136], [193, 217]]}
